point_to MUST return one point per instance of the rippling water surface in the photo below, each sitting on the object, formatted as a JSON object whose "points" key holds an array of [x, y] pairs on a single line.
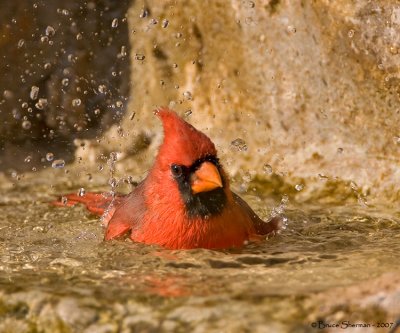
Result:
{"points": [[58, 255]]}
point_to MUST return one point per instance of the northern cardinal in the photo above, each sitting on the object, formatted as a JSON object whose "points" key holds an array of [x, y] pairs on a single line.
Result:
{"points": [[184, 202]]}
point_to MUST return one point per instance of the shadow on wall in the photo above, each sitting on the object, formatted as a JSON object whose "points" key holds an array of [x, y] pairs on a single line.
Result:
{"points": [[64, 75]]}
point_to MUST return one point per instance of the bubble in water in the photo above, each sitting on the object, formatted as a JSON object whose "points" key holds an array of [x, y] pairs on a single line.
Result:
{"points": [[24, 105], [247, 177], [79, 36], [119, 104], [153, 21], [164, 23], [188, 113], [114, 23], [239, 144], [340, 150], [65, 82], [350, 33], [26, 124], [64, 200], [188, 95], [299, 187], [267, 169], [47, 65], [34, 92], [81, 192], [76, 102], [49, 156], [44, 39], [28, 159], [97, 111], [175, 65], [139, 56], [123, 51], [58, 164], [50, 31], [41, 104]]}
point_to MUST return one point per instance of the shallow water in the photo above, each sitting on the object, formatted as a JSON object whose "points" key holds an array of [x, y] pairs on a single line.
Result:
{"points": [[105, 286]]}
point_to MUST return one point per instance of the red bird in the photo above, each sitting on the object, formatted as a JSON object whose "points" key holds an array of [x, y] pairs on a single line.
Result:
{"points": [[184, 202]]}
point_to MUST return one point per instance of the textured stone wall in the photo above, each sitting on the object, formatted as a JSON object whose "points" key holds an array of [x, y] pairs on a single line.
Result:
{"points": [[311, 87]]}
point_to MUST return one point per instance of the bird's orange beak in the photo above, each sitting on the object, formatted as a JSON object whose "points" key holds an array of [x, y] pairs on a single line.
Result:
{"points": [[206, 178]]}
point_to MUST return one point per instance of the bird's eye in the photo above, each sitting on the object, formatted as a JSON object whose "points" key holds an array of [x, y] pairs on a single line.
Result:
{"points": [[176, 170]]}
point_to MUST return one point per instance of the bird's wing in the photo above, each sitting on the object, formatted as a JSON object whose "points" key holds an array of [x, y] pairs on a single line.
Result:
{"points": [[261, 227], [126, 215]]}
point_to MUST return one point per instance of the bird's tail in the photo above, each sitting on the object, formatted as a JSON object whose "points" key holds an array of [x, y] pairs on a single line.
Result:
{"points": [[97, 203]]}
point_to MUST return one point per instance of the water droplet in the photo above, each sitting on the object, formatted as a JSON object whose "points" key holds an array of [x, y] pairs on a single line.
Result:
{"points": [[28, 159], [113, 156], [79, 36], [164, 23], [21, 43], [49, 156], [251, 4], [114, 23], [26, 124], [299, 187], [267, 169], [350, 33], [76, 102], [291, 29], [239, 144], [34, 92], [58, 164], [144, 13], [188, 95], [64, 200], [139, 56], [65, 82], [102, 88], [50, 31], [112, 182], [81, 192], [322, 177], [123, 51], [41, 104]]}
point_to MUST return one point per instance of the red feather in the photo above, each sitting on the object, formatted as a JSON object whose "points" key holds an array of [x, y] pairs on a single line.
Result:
{"points": [[155, 213]]}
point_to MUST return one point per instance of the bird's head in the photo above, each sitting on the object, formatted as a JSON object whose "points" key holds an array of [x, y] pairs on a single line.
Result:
{"points": [[187, 164]]}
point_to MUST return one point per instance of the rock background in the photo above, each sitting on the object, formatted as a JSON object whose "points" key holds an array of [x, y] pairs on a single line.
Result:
{"points": [[308, 88], [311, 87]]}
